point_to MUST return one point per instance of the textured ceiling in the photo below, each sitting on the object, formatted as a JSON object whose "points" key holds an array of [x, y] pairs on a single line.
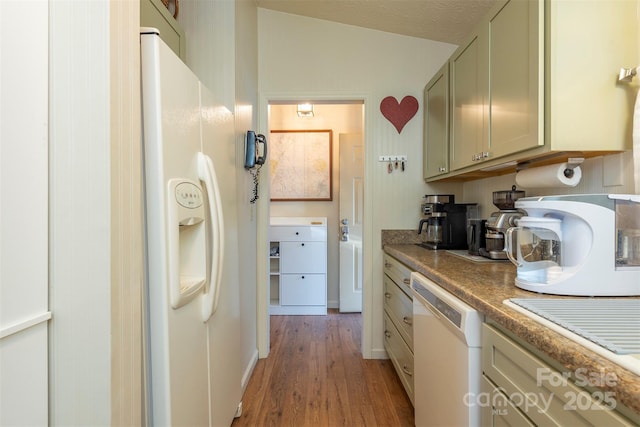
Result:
{"points": [[441, 20]]}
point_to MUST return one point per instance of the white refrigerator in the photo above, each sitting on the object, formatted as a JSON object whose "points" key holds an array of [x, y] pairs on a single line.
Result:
{"points": [[193, 322]]}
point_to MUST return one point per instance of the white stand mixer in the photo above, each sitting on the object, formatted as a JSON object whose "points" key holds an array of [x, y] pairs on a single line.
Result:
{"points": [[597, 246]]}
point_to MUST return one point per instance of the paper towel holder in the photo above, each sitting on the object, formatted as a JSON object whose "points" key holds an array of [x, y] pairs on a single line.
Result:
{"points": [[627, 74], [572, 163]]}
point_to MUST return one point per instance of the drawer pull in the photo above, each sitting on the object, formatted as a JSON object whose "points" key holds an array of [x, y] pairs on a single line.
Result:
{"points": [[406, 370], [408, 320], [387, 334], [387, 265], [406, 281], [387, 295]]}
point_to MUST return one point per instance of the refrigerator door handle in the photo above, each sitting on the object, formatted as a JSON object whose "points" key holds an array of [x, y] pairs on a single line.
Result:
{"points": [[215, 247]]}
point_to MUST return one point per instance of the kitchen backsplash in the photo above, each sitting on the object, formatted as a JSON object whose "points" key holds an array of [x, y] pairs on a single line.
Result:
{"points": [[609, 174]]}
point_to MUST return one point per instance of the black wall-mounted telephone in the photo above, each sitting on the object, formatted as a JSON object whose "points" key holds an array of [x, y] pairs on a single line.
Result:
{"points": [[255, 150]]}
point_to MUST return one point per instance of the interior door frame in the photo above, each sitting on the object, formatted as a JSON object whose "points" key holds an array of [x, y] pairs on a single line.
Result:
{"points": [[262, 217]]}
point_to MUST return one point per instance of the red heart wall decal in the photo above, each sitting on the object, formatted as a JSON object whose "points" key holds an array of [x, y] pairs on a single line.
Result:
{"points": [[399, 114]]}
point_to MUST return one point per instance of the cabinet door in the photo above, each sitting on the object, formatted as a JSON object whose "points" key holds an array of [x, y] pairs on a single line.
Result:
{"points": [[154, 14], [436, 124], [517, 372], [303, 257], [515, 84], [467, 102], [498, 410], [303, 289]]}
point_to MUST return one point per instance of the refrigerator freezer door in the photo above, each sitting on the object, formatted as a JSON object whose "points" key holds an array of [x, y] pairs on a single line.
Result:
{"points": [[225, 333], [178, 342]]}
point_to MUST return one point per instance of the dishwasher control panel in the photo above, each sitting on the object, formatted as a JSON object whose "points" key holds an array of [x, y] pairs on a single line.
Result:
{"points": [[449, 312]]}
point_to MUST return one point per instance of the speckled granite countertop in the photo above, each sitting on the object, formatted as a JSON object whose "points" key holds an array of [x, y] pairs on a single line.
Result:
{"points": [[485, 286]]}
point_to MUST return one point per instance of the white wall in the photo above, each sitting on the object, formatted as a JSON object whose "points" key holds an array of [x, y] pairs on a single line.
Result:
{"points": [[608, 174], [80, 214], [24, 219], [302, 57], [246, 103]]}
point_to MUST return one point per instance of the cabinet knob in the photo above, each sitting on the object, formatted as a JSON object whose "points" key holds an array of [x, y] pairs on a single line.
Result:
{"points": [[406, 281], [387, 334], [387, 295], [442, 169], [302, 244], [297, 233], [387, 265], [302, 277], [407, 320]]}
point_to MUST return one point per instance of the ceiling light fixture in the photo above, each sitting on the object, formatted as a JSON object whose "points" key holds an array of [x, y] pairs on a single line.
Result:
{"points": [[305, 110]]}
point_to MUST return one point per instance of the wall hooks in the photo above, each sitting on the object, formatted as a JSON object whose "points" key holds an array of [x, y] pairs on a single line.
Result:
{"points": [[395, 162]]}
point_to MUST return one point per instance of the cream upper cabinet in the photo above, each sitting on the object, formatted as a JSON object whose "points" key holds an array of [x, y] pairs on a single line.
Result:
{"points": [[538, 79], [436, 124], [587, 44], [467, 102], [496, 90], [515, 87]]}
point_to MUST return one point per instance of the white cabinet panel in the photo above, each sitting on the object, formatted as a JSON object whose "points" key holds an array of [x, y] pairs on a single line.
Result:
{"points": [[303, 257], [298, 265], [303, 289], [298, 233]]}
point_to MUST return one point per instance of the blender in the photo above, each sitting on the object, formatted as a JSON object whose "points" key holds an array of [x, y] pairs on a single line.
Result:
{"points": [[499, 222]]}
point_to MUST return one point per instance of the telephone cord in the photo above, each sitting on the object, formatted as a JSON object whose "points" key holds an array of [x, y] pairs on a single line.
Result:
{"points": [[255, 174]]}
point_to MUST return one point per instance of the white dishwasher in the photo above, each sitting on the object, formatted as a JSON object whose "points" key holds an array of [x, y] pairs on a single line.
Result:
{"points": [[446, 345]]}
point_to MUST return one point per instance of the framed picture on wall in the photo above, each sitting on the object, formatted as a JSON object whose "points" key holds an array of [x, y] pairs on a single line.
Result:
{"points": [[300, 165]]}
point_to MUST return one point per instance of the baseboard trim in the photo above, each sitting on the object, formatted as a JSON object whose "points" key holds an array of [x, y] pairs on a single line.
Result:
{"points": [[378, 353], [249, 370]]}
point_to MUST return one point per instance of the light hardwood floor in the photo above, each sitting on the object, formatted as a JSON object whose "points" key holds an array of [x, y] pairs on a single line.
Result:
{"points": [[315, 376]]}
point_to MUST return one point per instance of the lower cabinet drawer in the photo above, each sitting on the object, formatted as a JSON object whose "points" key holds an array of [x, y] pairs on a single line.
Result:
{"points": [[400, 355], [303, 289], [541, 392], [400, 309], [398, 272]]}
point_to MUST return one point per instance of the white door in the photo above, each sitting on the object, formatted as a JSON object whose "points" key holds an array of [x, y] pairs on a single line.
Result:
{"points": [[24, 305], [351, 217]]}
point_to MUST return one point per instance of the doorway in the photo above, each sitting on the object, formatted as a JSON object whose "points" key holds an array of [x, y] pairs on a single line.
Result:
{"points": [[342, 117]]}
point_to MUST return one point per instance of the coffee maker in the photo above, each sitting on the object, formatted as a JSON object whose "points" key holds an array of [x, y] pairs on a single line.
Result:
{"points": [[499, 222], [580, 244], [445, 221]]}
